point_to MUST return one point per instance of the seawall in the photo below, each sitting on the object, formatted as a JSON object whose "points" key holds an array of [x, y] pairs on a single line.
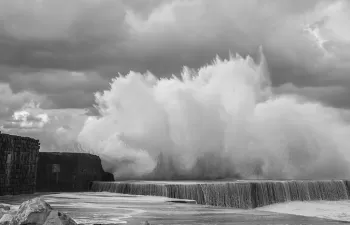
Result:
{"points": [[58, 171], [18, 164], [236, 194]]}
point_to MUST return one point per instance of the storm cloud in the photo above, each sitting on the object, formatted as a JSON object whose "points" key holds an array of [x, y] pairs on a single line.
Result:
{"points": [[58, 53]]}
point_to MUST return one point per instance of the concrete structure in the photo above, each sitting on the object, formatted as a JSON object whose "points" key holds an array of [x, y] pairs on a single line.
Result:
{"points": [[23, 170], [69, 171], [18, 164], [243, 194]]}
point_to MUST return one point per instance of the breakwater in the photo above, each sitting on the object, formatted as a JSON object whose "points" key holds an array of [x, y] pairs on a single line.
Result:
{"points": [[18, 164], [68, 171], [235, 194]]}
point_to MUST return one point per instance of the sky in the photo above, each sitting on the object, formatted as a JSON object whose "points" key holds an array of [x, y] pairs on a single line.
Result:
{"points": [[56, 54]]}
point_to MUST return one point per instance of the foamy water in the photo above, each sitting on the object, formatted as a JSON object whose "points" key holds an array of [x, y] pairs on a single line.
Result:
{"points": [[335, 210], [109, 208]]}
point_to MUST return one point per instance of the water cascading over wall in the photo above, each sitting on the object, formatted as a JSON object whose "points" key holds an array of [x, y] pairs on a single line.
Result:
{"points": [[238, 194]]}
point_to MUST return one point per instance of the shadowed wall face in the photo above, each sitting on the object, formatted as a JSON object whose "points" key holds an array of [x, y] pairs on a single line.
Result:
{"points": [[18, 164], [68, 171]]}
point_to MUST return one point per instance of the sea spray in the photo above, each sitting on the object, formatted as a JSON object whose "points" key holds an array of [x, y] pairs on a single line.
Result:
{"points": [[220, 121]]}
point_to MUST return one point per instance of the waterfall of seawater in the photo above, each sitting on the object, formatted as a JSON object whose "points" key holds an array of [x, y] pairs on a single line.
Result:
{"points": [[239, 194]]}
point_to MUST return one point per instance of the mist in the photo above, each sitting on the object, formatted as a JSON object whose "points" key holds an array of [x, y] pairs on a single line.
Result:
{"points": [[220, 121]]}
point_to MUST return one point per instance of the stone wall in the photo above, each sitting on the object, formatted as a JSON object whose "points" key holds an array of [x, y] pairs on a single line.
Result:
{"points": [[58, 171], [18, 164]]}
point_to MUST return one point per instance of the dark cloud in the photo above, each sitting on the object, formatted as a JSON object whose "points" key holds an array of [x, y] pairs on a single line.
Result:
{"points": [[78, 99], [60, 34], [11, 102], [55, 54], [139, 34], [334, 96], [48, 40], [55, 81], [66, 89]]}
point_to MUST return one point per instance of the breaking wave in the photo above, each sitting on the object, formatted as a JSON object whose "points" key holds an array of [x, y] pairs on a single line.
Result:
{"points": [[220, 121]]}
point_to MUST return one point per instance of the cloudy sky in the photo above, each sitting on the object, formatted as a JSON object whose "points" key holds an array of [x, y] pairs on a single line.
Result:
{"points": [[55, 54]]}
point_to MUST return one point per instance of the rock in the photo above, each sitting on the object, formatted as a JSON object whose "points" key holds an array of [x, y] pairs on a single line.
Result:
{"points": [[6, 213], [57, 218], [34, 211], [5, 207], [6, 219], [38, 212]]}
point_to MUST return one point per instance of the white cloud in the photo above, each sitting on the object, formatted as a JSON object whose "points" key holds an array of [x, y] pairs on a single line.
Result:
{"points": [[193, 30], [26, 120], [10, 101], [330, 25], [22, 114], [56, 129]]}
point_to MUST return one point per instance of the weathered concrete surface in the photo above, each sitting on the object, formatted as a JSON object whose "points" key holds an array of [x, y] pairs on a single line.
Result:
{"points": [[18, 161], [111, 208], [68, 171], [23, 168]]}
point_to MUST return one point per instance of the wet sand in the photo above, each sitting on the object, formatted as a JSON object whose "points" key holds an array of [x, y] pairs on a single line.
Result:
{"points": [[112, 208]]}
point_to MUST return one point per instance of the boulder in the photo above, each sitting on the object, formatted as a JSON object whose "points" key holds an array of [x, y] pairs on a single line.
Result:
{"points": [[5, 214], [33, 211], [57, 218], [37, 211], [5, 207], [6, 219]]}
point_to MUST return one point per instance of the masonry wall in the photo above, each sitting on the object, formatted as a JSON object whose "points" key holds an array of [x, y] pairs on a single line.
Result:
{"points": [[58, 171], [18, 164]]}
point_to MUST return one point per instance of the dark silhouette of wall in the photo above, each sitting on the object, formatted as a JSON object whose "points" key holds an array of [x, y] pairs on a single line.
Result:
{"points": [[68, 171], [18, 164]]}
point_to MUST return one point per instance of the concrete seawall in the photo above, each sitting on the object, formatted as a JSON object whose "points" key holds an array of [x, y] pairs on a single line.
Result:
{"points": [[58, 171], [18, 164], [25, 170], [235, 194]]}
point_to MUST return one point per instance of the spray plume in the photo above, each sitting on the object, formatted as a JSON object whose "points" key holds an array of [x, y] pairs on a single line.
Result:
{"points": [[221, 121]]}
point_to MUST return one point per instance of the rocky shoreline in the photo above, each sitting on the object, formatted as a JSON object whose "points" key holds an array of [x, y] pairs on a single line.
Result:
{"points": [[34, 211]]}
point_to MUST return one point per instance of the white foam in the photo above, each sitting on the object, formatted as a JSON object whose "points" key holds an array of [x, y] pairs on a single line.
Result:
{"points": [[334, 210], [222, 121]]}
